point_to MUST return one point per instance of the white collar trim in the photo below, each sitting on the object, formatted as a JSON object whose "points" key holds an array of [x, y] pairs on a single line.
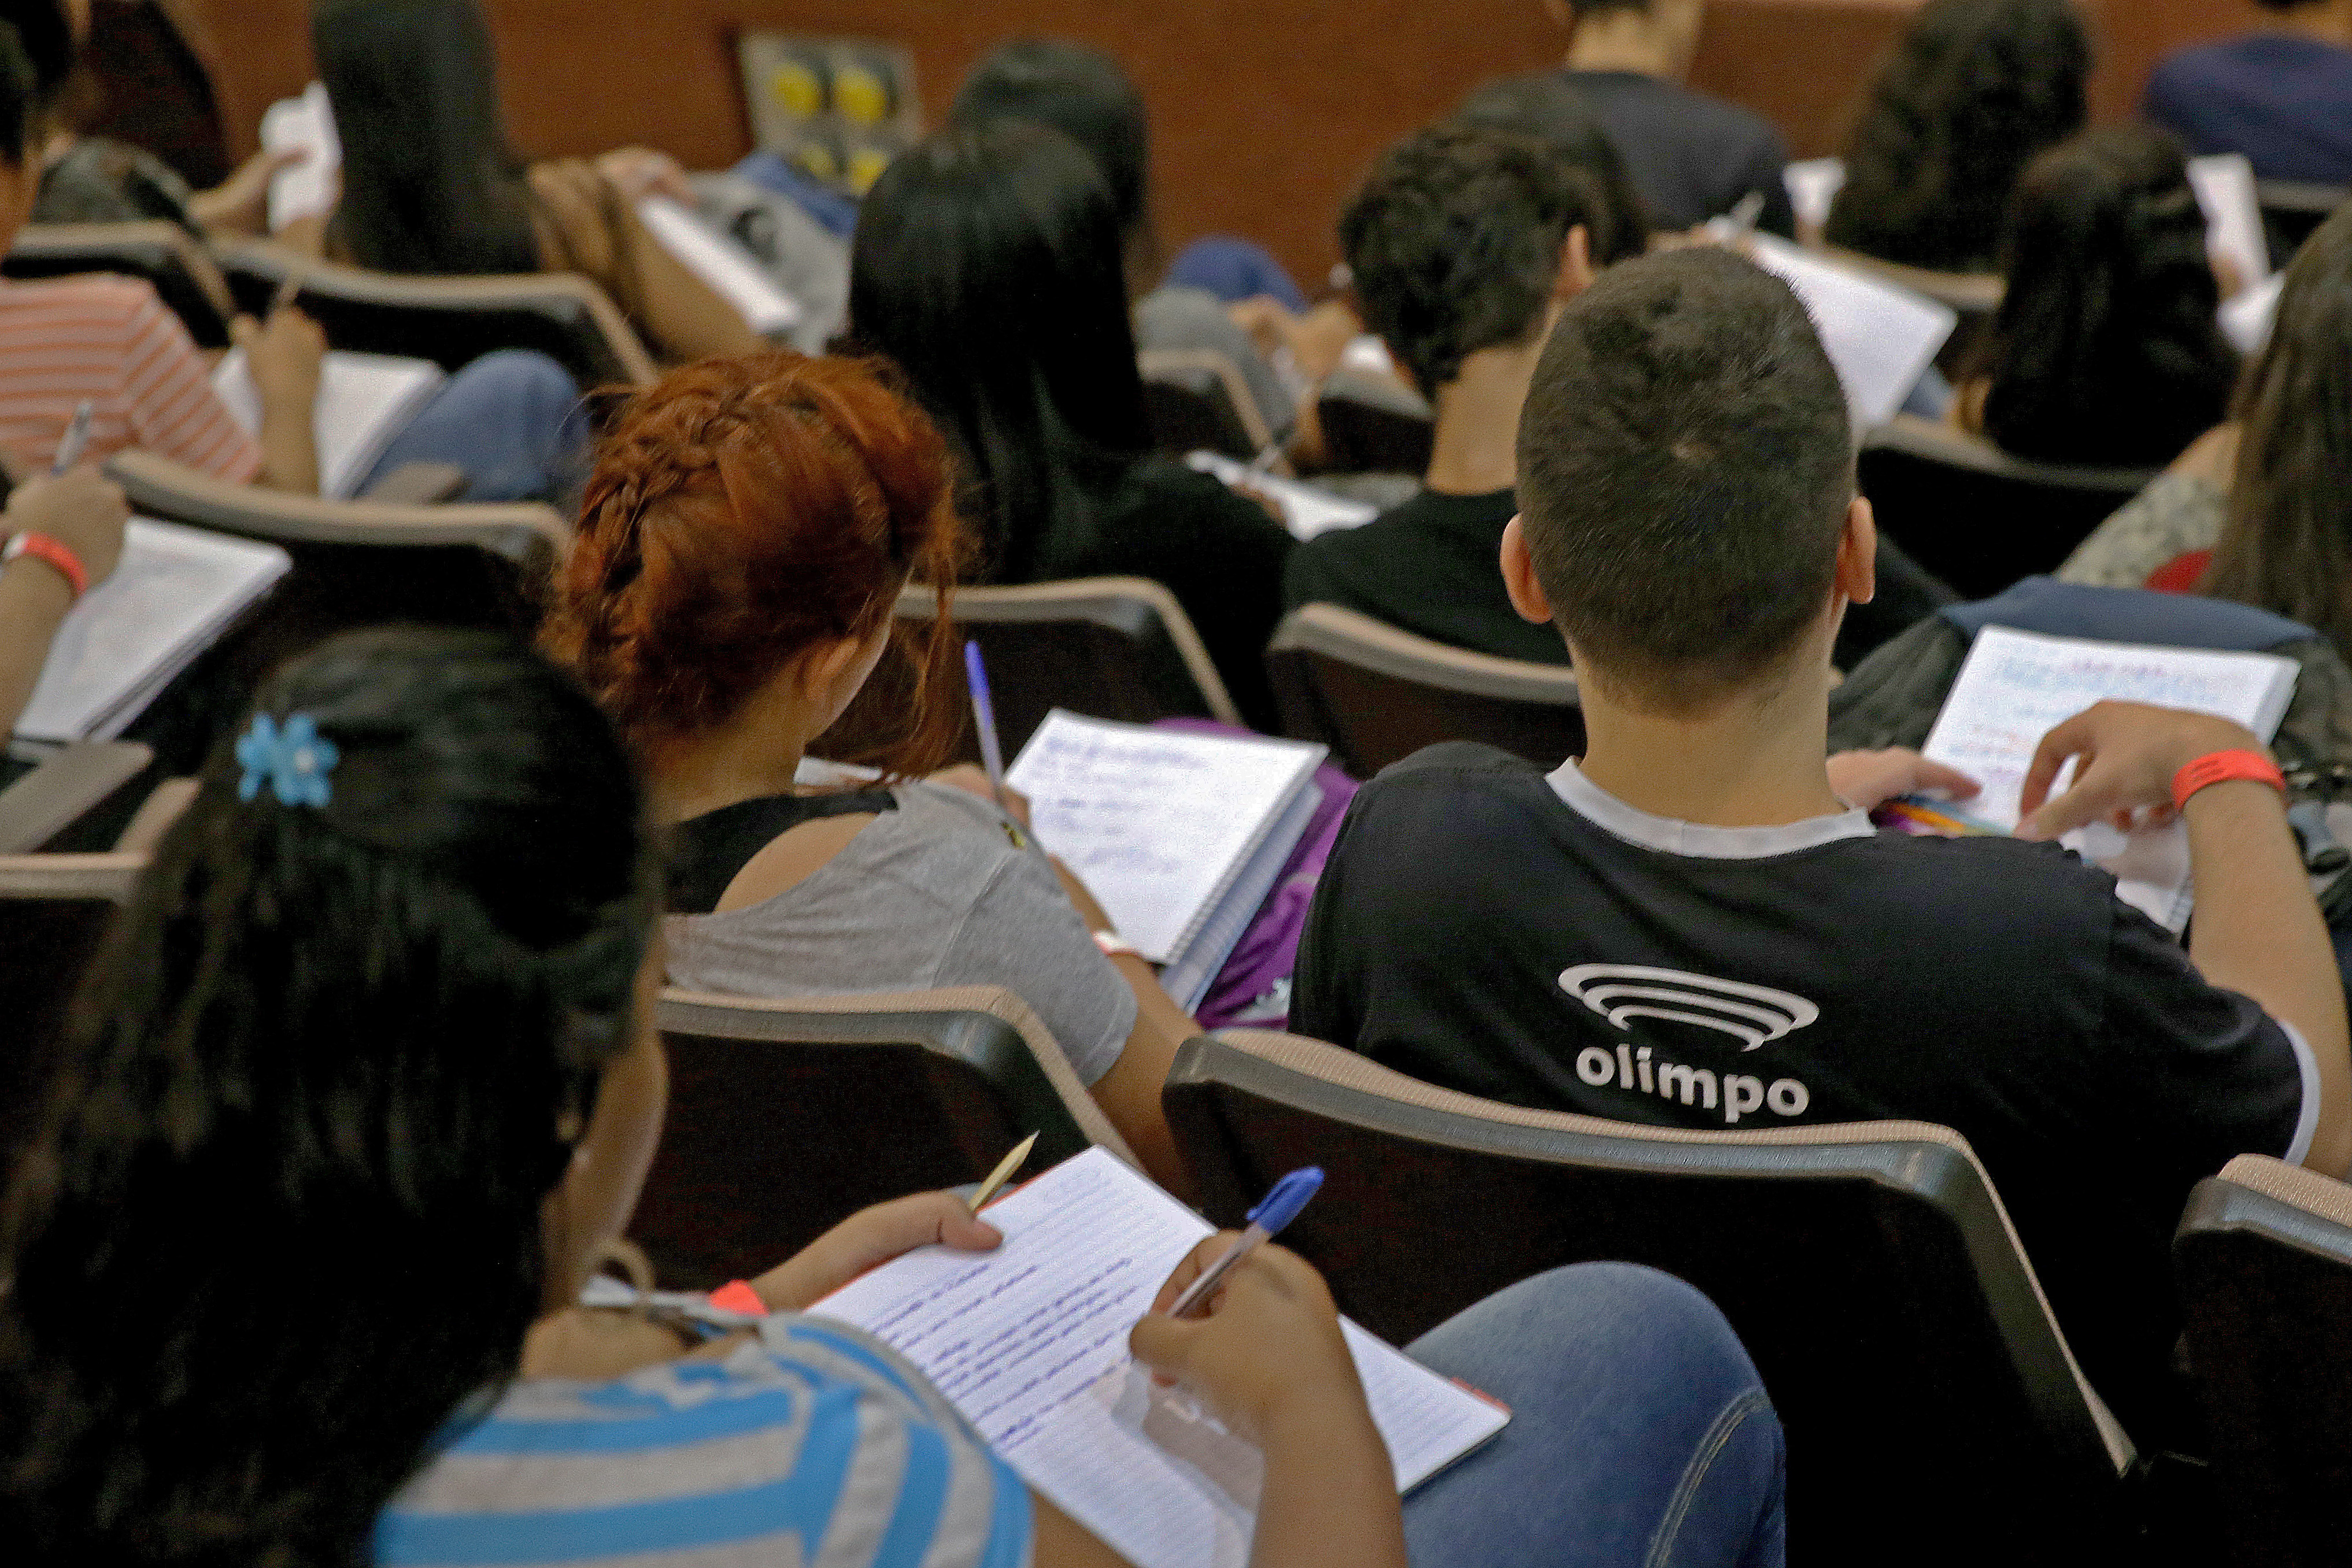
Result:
{"points": [[1671, 836]]}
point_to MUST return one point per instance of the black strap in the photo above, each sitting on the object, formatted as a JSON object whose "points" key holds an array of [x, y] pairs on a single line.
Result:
{"points": [[709, 852]]}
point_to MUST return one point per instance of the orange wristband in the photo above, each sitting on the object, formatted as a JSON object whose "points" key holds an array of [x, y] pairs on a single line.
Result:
{"points": [[41, 547], [2221, 767], [737, 1296]]}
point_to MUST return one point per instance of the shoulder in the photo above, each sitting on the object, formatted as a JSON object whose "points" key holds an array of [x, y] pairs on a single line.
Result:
{"points": [[96, 303], [1438, 777]]}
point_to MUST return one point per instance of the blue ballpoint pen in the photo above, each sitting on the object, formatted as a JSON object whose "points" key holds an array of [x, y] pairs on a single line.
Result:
{"points": [[1265, 1221], [984, 712]]}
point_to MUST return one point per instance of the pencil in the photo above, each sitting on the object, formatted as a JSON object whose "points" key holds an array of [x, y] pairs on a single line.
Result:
{"points": [[1003, 1172]]}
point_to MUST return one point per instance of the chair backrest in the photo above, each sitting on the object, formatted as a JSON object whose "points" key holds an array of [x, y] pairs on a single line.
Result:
{"points": [[66, 790], [1870, 1270], [164, 255], [2290, 210], [450, 320], [1977, 518], [1376, 695], [1196, 399], [1372, 426], [785, 1116], [54, 912], [2265, 1259], [1975, 296], [1110, 647]]}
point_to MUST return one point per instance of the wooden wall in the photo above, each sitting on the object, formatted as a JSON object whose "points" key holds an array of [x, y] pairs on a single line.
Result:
{"points": [[1265, 111]]}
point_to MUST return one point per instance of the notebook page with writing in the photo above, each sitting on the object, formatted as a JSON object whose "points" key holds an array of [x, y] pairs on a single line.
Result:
{"points": [[1881, 338], [364, 402], [175, 590], [1307, 510], [2017, 687], [1029, 1342], [1157, 823], [723, 264]]}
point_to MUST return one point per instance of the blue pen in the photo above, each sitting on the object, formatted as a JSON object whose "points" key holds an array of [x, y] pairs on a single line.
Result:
{"points": [[984, 712], [1265, 1221]]}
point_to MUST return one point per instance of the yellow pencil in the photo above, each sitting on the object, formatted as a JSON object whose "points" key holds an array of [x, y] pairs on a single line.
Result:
{"points": [[1003, 1172]]}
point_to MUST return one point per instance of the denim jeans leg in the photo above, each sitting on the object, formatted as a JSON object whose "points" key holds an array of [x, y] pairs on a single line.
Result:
{"points": [[511, 419], [1639, 1435]]}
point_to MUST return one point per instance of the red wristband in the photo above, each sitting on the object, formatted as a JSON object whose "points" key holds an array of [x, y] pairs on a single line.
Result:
{"points": [[737, 1296], [2221, 767], [41, 547]]}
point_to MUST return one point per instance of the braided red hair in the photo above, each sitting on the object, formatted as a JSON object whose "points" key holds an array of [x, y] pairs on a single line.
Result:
{"points": [[741, 512]]}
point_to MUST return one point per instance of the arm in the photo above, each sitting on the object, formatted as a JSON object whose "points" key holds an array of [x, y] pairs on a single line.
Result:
{"points": [[2258, 931], [285, 356], [240, 205], [687, 319], [81, 511]]}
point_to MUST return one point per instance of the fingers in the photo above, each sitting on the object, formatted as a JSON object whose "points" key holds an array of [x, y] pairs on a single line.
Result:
{"points": [[922, 1219], [1196, 1262], [1953, 783], [1165, 1343], [242, 331], [2066, 740]]}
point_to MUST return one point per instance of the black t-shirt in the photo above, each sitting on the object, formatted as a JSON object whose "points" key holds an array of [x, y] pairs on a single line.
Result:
{"points": [[1475, 930], [1220, 553], [1691, 157], [1429, 566]]}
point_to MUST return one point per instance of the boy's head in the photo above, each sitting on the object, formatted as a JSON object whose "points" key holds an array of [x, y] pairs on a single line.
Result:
{"points": [[1460, 240], [1686, 481]]}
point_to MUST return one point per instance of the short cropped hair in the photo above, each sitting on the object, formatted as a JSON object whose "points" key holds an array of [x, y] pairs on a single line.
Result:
{"points": [[1454, 244], [1685, 465]]}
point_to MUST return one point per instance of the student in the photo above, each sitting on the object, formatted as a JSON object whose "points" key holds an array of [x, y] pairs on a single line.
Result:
{"points": [[366, 1083], [506, 419], [429, 185], [1464, 244], [988, 265], [2104, 350], [1544, 106], [1974, 90], [730, 588], [79, 515], [1693, 157], [2281, 96], [1698, 902]]}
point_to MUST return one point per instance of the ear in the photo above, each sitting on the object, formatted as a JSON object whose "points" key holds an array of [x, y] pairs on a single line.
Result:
{"points": [[1519, 582], [1576, 270], [1857, 562]]}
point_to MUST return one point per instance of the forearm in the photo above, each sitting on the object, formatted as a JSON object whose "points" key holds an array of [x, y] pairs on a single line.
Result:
{"points": [[2258, 932], [1330, 1496], [688, 318], [34, 599], [289, 446]]}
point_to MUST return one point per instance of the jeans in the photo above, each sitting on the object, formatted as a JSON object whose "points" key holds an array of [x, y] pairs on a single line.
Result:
{"points": [[1639, 1435], [512, 420]]}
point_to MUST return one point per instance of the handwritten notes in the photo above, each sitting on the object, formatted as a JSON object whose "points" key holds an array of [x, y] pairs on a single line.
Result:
{"points": [[2018, 685], [1029, 1342]]}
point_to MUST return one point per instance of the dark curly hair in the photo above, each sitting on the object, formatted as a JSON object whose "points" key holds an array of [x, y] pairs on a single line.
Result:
{"points": [[1547, 107], [284, 1215], [1454, 241], [1974, 90]]}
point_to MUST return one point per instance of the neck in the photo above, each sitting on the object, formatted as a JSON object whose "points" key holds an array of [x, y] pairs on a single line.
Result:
{"points": [[1625, 41], [1476, 448], [2330, 24], [753, 758], [1754, 761]]}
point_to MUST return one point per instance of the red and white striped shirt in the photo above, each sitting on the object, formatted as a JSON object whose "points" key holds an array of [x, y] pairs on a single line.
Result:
{"points": [[110, 341]]}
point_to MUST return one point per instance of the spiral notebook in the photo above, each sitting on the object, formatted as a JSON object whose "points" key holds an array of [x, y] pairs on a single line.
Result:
{"points": [[1087, 1247], [1181, 835]]}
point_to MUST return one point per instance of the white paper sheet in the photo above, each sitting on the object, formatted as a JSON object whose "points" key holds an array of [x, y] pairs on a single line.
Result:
{"points": [[1813, 187], [2246, 319], [1029, 1342], [1881, 338], [175, 590], [310, 188], [2019, 686], [2224, 183], [1157, 822], [1307, 510], [719, 261], [364, 401]]}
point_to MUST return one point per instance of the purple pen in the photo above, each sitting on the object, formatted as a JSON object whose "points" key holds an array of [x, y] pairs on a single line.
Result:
{"points": [[983, 713]]}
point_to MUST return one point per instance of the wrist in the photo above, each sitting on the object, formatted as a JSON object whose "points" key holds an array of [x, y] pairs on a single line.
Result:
{"points": [[2236, 765], [46, 553]]}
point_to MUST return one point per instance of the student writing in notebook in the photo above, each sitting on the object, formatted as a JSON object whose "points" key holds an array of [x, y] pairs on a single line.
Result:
{"points": [[79, 515], [367, 1081], [745, 535], [1696, 924]]}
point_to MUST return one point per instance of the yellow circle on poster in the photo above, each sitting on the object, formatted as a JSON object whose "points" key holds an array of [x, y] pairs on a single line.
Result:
{"points": [[861, 95], [865, 166], [818, 160], [797, 90]]}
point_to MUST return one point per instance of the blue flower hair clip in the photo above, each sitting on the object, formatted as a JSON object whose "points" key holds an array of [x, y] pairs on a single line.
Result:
{"points": [[294, 761]]}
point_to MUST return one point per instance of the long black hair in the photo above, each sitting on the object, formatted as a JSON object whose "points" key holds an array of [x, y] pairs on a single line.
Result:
{"points": [[429, 184], [1974, 90], [987, 264], [1546, 105], [284, 1215], [2287, 545], [2105, 349]]}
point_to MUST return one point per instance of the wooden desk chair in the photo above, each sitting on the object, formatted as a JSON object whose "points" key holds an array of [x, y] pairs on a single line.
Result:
{"points": [[164, 256], [1195, 399], [2265, 1259], [1973, 516], [787, 1116], [1375, 694], [450, 320], [1374, 425], [1934, 1412], [2292, 210]]}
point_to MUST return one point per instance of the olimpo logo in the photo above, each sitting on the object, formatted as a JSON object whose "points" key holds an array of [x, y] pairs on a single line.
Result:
{"points": [[1756, 1015]]}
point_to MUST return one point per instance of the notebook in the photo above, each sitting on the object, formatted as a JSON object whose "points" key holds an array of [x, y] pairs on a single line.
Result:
{"points": [[2224, 183], [364, 401], [1086, 1248], [1180, 836], [719, 261], [1881, 338], [308, 189], [173, 592], [2246, 319], [2017, 687], [1307, 510]]}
